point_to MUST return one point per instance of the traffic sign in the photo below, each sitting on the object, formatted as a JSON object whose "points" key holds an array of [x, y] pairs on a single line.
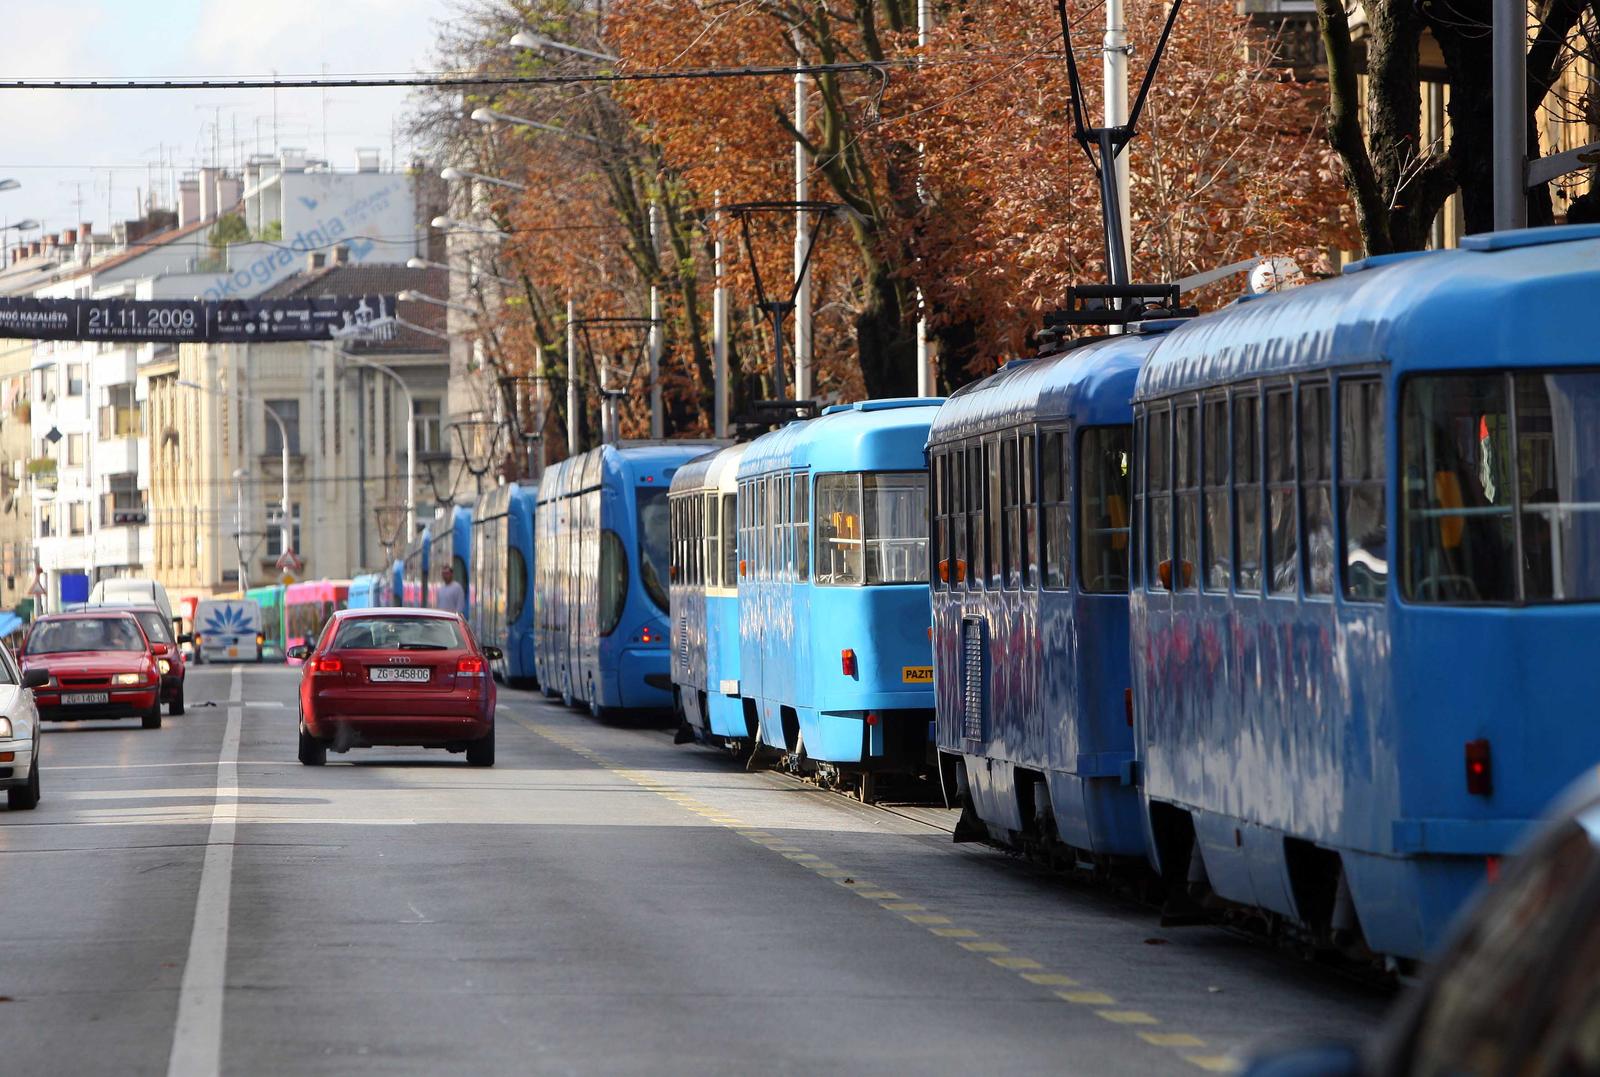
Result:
{"points": [[289, 562]]}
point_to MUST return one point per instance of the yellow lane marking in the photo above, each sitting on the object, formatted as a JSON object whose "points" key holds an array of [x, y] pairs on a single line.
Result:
{"points": [[940, 926]]}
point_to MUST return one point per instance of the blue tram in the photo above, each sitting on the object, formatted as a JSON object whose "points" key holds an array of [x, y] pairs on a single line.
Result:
{"points": [[834, 659], [412, 571], [1030, 476], [450, 544], [705, 599], [1366, 596], [391, 584], [502, 578], [603, 551], [364, 592]]}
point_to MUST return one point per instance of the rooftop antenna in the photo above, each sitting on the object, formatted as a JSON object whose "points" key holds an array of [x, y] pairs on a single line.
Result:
{"points": [[1110, 142]]}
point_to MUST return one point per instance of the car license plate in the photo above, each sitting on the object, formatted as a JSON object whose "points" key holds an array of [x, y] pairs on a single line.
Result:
{"points": [[86, 697], [410, 674]]}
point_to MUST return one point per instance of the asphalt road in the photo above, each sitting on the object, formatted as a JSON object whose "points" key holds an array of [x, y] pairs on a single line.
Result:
{"points": [[193, 901]]}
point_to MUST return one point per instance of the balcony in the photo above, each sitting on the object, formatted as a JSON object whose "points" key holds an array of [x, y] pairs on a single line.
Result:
{"points": [[44, 472]]}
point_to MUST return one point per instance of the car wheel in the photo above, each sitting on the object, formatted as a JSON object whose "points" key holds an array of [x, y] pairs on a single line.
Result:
{"points": [[25, 797], [480, 753], [176, 706], [313, 753], [152, 718]]}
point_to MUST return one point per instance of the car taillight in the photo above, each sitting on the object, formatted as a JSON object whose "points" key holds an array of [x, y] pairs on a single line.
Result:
{"points": [[1480, 776], [471, 664], [327, 665], [847, 662]]}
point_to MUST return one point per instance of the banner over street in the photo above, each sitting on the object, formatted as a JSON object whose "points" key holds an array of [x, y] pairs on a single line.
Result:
{"points": [[184, 321]]}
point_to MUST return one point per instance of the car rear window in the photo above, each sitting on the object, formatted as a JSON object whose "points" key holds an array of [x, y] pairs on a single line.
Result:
{"points": [[85, 634], [399, 633]]}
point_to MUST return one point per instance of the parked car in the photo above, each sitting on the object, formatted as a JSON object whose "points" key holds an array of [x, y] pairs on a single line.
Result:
{"points": [[228, 630], [164, 647], [95, 663], [1515, 989], [396, 677], [19, 737]]}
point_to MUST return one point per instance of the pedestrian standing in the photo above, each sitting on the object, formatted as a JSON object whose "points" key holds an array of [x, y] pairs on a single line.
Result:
{"points": [[449, 596]]}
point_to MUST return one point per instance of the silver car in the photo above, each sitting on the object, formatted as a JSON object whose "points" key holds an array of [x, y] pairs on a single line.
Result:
{"points": [[19, 735]]}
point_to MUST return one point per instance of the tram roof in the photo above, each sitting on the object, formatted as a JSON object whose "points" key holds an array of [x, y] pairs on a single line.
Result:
{"points": [[713, 471], [1092, 383], [1503, 299], [869, 435]]}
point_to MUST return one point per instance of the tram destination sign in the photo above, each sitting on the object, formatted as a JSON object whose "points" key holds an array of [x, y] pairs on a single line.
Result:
{"points": [[184, 321]]}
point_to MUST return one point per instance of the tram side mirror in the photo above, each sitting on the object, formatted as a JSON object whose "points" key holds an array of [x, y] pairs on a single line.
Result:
{"points": [[35, 678], [299, 652], [493, 654]]}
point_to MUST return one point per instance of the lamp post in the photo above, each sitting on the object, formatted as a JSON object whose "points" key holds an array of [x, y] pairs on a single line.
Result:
{"points": [[450, 224], [489, 115], [413, 296], [527, 39], [474, 271], [411, 429], [453, 174], [239, 475], [285, 527]]}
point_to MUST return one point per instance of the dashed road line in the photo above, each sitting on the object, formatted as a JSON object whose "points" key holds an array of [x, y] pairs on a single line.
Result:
{"points": [[1068, 989]]}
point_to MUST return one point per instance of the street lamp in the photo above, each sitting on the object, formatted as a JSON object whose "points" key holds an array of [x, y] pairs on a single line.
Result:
{"points": [[527, 39], [9, 184], [411, 428], [424, 330], [423, 263], [411, 295], [239, 475], [489, 115], [283, 445], [450, 224], [451, 174], [24, 225]]}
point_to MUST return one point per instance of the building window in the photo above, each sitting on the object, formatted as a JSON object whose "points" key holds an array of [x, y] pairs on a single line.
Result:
{"points": [[124, 504], [47, 521], [75, 449], [430, 431], [78, 518], [275, 528], [289, 412], [74, 379], [120, 416]]}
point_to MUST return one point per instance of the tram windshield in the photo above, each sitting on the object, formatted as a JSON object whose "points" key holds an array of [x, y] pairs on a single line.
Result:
{"points": [[1502, 498], [872, 528], [655, 543]]}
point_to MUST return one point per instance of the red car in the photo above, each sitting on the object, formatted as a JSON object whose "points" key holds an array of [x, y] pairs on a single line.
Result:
{"points": [[99, 664], [396, 677], [164, 647]]}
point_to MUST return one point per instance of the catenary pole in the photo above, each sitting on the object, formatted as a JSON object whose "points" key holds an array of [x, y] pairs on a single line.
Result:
{"points": [[802, 243], [1509, 32]]}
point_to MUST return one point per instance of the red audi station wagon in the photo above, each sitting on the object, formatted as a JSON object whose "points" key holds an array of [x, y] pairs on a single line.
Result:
{"points": [[400, 677]]}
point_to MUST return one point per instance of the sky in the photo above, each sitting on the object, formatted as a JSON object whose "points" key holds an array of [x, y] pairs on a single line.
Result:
{"points": [[100, 149]]}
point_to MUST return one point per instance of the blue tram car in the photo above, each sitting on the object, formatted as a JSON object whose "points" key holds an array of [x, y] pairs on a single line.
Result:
{"points": [[450, 544], [412, 571], [603, 555], [502, 578], [834, 658], [1367, 592], [391, 585], [705, 599], [365, 592], [1031, 506]]}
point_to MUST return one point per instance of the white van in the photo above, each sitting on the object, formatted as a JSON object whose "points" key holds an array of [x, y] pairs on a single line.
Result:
{"points": [[131, 592], [227, 630]]}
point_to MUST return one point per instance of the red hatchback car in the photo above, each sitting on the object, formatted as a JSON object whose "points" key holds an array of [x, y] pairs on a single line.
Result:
{"points": [[396, 677], [99, 666]]}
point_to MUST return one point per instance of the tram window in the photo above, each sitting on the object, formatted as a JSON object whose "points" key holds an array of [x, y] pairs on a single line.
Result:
{"points": [[1558, 440], [1103, 488], [839, 529], [975, 518], [1187, 507], [802, 527], [958, 518], [1316, 487], [1218, 546], [711, 552], [1028, 551], [895, 526], [1056, 543], [1011, 505], [1361, 490], [937, 546], [1282, 546], [1158, 502], [1247, 489], [613, 582], [1458, 526], [730, 546], [995, 514]]}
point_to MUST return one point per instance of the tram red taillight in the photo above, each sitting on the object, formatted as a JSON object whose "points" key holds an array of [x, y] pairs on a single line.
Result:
{"points": [[847, 662], [1480, 774]]}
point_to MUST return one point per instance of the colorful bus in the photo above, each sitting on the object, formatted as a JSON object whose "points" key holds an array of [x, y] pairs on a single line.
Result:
{"points": [[308, 605]]}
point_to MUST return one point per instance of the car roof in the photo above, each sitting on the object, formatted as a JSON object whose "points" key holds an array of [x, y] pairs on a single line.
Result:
{"points": [[394, 611], [123, 607], [91, 613]]}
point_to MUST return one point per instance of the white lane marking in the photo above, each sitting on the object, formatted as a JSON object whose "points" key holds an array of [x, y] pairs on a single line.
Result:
{"points": [[197, 1033], [269, 703]]}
